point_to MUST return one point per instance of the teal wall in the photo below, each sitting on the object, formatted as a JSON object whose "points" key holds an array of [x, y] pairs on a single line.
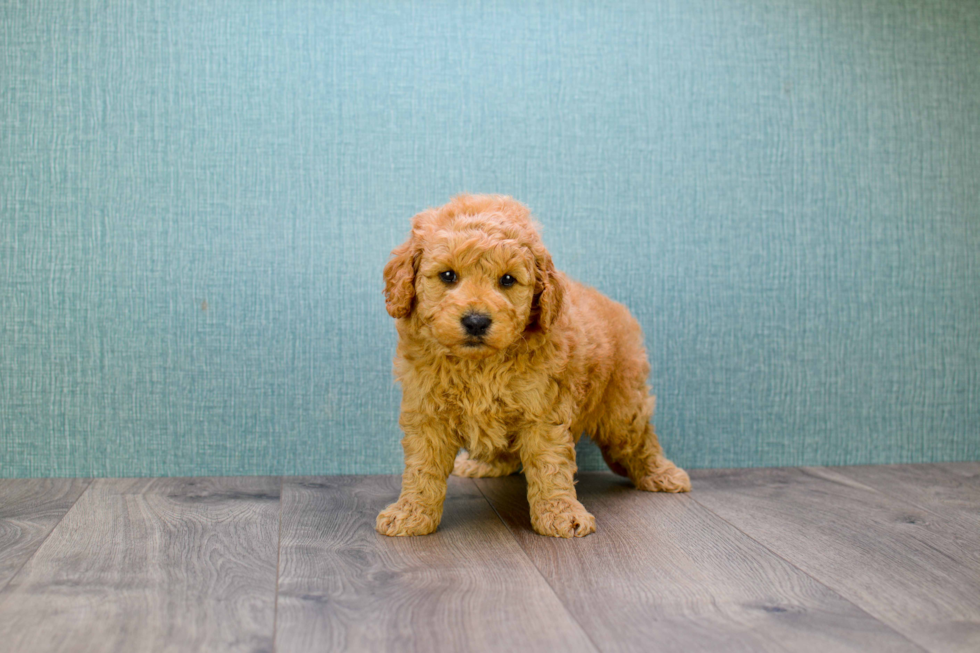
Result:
{"points": [[197, 199]]}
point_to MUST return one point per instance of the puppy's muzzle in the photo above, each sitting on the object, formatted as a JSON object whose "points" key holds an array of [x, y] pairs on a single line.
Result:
{"points": [[476, 324]]}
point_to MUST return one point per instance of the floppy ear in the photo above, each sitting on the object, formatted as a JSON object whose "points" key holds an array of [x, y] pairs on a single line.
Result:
{"points": [[400, 278], [549, 292]]}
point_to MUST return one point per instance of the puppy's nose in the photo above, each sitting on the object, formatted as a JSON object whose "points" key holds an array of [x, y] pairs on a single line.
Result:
{"points": [[476, 324]]}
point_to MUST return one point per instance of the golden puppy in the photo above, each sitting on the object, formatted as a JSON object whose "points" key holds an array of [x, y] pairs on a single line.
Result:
{"points": [[504, 356]]}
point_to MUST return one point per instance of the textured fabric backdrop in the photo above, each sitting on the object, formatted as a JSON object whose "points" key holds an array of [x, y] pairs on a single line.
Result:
{"points": [[197, 200]]}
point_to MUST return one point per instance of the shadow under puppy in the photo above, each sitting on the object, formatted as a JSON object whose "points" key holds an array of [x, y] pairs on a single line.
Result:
{"points": [[504, 356]]}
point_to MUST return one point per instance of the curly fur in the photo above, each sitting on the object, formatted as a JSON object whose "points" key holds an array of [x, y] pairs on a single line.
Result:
{"points": [[558, 360]]}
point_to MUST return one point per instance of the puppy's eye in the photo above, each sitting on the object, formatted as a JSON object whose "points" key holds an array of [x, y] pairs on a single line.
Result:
{"points": [[507, 281], [448, 276]]}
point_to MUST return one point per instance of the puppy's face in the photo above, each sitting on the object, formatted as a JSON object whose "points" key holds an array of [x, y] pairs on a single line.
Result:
{"points": [[473, 290], [473, 277]]}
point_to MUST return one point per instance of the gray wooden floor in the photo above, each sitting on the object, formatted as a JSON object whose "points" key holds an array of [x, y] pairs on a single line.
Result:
{"points": [[808, 559]]}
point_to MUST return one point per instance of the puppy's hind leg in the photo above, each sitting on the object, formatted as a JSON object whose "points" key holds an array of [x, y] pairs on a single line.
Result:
{"points": [[653, 472], [468, 467], [630, 448]]}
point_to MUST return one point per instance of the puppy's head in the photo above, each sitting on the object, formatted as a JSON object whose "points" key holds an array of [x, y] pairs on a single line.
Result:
{"points": [[473, 276]]}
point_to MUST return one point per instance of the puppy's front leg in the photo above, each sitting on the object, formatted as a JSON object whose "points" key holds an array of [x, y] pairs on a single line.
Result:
{"points": [[430, 451], [548, 456]]}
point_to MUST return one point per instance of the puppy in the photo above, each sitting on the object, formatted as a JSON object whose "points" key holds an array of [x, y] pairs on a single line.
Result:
{"points": [[502, 355]]}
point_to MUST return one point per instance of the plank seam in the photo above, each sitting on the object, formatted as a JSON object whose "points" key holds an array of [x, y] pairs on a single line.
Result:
{"points": [[812, 577], [531, 562], [894, 496], [46, 536]]}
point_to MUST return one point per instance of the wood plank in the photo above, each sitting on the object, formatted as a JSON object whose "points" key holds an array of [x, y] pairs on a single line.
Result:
{"points": [[29, 509], [968, 470], [152, 565], [886, 555], [952, 496], [467, 587], [664, 573]]}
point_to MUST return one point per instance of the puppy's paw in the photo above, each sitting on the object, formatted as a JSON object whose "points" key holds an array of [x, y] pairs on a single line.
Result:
{"points": [[562, 518], [406, 518], [667, 477]]}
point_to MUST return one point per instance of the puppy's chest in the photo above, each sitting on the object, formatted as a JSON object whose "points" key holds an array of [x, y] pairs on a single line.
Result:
{"points": [[472, 400], [485, 415]]}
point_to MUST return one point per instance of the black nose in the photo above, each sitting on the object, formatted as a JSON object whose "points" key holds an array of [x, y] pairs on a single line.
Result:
{"points": [[476, 324]]}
